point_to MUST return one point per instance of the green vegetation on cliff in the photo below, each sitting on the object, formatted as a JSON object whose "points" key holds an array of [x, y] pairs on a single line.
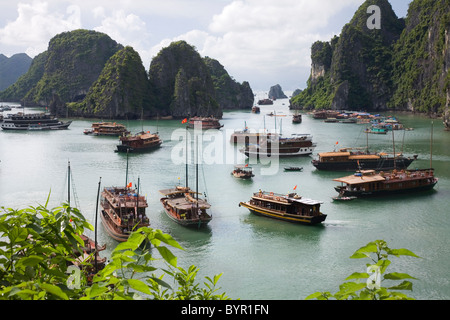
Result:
{"points": [[182, 83], [402, 65], [422, 56], [122, 89], [229, 93], [86, 73], [354, 70], [66, 71]]}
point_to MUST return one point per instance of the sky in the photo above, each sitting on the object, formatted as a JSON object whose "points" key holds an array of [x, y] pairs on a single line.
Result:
{"points": [[264, 42]]}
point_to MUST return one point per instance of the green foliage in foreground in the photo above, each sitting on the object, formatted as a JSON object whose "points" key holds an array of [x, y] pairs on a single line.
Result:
{"points": [[38, 248], [370, 287]]}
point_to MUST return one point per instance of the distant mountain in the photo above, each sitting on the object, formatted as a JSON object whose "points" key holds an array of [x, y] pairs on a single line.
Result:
{"points": [[12, 68], [66, 71], [402, 65], [86, 73], [121, 91], [276, 92], [182, 83]]}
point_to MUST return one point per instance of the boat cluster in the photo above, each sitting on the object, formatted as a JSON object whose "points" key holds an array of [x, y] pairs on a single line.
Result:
{"points": [[123, 209]]}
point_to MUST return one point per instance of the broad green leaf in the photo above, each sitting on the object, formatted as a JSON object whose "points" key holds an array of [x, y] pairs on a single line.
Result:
{"points": [[351, 287], [54, 290], [365, 251], [398, 276], [318, 296], [358, 275], [30, 261], [403, 252], [405, 285], [97, 290], [139, 286], [166, 238], [168, 256]]}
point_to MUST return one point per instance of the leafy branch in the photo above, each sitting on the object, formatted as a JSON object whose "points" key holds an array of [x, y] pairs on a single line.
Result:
{"points": [[368, 285]]}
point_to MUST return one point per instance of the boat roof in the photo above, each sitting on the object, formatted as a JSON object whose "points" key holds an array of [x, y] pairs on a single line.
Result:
{"points": [[184, 204], [366, 176], [285, 199], [334, 154], [364, 157], [177, 190]]}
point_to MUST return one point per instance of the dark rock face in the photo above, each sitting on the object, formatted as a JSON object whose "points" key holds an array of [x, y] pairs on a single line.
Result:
{"points": [[402, 65], [276, 92], [229, 93], [71, 64], [182, 83], [122, 91], [85, 73]]}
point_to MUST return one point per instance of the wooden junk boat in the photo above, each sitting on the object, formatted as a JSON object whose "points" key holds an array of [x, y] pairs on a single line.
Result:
{"points": [[243, 172], [107, 129], [290, 207], [140, 142], [297, 118], [368, 183], [123, 211], [183, 206], [297, 145], [204, 123], [248, 136], [350, 159]]}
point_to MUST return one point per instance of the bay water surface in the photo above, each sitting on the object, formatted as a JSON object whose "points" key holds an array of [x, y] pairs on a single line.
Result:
{"points": [[260, 258]]}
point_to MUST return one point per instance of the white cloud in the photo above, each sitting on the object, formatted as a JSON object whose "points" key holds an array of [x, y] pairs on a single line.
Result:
{"points": [[35, 25], [127, 29], [266, 40]]}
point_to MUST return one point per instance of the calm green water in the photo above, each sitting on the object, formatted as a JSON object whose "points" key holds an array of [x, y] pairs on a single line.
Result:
{"points": [[260, 258]]}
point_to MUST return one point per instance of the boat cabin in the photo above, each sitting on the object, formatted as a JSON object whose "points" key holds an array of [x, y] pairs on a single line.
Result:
{"points": [[291, 204]]}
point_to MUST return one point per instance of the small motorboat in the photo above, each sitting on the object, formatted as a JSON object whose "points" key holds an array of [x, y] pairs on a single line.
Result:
{"points": [[339, 198], [293, 169]]}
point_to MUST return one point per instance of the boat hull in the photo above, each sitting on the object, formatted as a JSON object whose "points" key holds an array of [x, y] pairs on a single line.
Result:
{"points": [[61, 126], [195, 223], [379, 165], [307, 220], [124, 148], [378, 193], [110, 230]]}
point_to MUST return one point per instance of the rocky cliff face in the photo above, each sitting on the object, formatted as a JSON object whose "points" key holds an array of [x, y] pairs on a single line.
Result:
{"points": [[229, 93], [402, 65], [354, 70], [422, 58], [182, 83], [72, 63], [86, 73], [276, 92], [122, 91]]}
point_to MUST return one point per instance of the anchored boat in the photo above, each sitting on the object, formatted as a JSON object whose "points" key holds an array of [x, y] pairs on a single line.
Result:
{"points": [[34, 121], [368, 183], [290, 207], [107, 129], [140, 142]]}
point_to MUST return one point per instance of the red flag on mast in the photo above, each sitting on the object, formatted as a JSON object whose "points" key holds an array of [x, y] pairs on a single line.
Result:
{"points": [[184, 120]]}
